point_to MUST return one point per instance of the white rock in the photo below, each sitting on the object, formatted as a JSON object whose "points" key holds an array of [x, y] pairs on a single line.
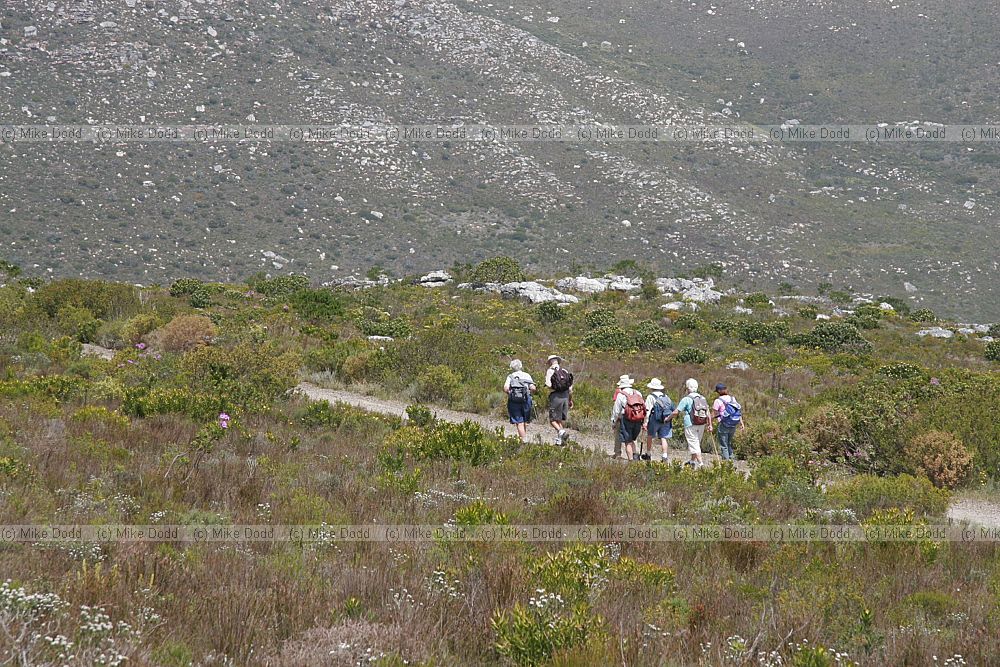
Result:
{"points": [[583, 284], [387, 339], [887, 307], [987, 339], [130, 4], [743, 310], [738, 366], [605, 46], [435, 279], [966, 331], [910, 287], [30, 31], [108, 24], [378, 215], [821, 316], [536, 293], [935, 332], [679, 305], [969, 205], [212, 32], [624, 284], [702, 295]]}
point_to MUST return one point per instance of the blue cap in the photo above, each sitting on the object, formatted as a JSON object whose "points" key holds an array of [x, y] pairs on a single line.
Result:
{"points": [[720, 387]]}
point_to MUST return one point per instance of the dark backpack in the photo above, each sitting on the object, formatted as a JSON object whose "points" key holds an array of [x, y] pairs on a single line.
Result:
{"points": [[518, 391], [561, 380], [662, 407], [700, 411], [635, 407], [732, 413]]}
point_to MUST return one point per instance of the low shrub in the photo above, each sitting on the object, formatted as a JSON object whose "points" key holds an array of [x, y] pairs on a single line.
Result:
{"points": [[184, 333], [78, 322], [498, 270], [687, 321], [756, 299], [529, 636], [866, 493], [439, 383], [829, 430], [649, 335], [419, 415], [318, 305], [445, 441], [549, 312], [941, 457], [923, 315], [691, 355], [601, 317], [279, 286], [753, 332], [808, 312], [833, 337], [136, 328], [479, 513], [992, 352], [185, 286], [611, 338]]}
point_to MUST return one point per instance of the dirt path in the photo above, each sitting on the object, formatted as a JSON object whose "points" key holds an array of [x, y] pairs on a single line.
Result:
{"points": [[536, 430], [981, 512]]}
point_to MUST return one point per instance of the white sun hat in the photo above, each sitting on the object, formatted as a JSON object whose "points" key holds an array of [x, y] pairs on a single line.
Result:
{"points": [[655, 384]]}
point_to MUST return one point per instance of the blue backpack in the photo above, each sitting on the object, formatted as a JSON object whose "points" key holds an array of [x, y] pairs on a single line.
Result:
{"points": [[732, 413], [662, 407]]}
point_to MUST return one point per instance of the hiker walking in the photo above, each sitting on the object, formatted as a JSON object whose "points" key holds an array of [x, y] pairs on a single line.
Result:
{"points": [[659, 424], [616, 432], [728, 414], [697, 418], [630, 413], [519, 386], [560, 381]]}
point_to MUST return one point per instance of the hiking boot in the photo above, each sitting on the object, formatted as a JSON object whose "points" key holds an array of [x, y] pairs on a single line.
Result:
{"points": [[563, 435]]}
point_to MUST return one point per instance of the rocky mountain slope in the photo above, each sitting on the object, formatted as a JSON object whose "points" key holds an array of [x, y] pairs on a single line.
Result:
{"points": [[849, 214]]}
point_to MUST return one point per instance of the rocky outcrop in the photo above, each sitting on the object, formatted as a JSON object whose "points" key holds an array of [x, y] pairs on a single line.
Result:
{"points": [[530, 290], [435, 279], [936, 332]]}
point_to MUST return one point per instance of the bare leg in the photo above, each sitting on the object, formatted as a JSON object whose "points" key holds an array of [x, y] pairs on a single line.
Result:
{"points": [[629, 450], [522, 431]]}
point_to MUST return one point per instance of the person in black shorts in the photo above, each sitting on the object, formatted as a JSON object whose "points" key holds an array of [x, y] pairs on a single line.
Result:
{"points": [[560, 382]]}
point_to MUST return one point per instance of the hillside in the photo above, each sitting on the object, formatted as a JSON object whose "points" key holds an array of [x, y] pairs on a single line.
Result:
{"points": [[860, 416], [911, 220]]}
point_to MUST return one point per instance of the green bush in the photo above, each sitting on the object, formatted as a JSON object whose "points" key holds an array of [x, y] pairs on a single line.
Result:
{"points": [[611, 338], [318, 305], [419, 415], [201, 297], [726, 325], [529, 636], [833, 337], [691, 355], [753, 332], [601, 317], [439, 383], [650, 336], [771, 471], [104, 300], [808, 312], [78, 322], [445, 441], [992, 352], [865, 494], [994, 330], [136, 328], [756, 299], [375, 322], [828, 428], [185, 286], [688, 321], [549, 312], [923, 315], [498, 270], [479, 513]]}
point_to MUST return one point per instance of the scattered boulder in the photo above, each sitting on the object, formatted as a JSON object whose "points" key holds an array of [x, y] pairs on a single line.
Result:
{"points": [[743, 310], [680, 305], [886, 307], [530, 290], [822, 316], [624, 284], [583, 284], [738, 366], [30, 31], [910, 288], [386, 339], [356, 283], [936, 332], [435, 279]]}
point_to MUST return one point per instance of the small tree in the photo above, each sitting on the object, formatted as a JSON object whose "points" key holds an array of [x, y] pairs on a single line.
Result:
{"points": [[498, 270]]}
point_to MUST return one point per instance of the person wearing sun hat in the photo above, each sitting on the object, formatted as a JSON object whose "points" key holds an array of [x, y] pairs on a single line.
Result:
{"points": [[615, 430], [629, 412], [560, 382], [659, 425]]}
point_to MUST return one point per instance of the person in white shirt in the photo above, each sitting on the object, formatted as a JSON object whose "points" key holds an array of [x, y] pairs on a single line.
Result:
{"points": [[519, 387], [693, 431]]}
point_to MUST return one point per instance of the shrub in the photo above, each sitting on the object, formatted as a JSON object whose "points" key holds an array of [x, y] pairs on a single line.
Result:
{"points": [[691, 355], [136, 328], [104, 300], [549, 312], [375, 322], [419, 415], [941, 457], [184, 333], [529, 636], [771, 471], [200, 298], [726, 325], [808, 312], [439, 383], [78, 322], [923, 315], [903, 371], [833, 337], [479, 513], [650, 336], [994, 330], [866, 493], [756, 299], [498, 270], [992, 352], [445, 441], [753, 332], [318, 305], [185, 286], [828, 428], [687, 321], [611, 338], [601, 317]]}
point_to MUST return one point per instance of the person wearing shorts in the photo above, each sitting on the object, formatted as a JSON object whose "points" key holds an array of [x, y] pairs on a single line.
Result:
{"points": [[519, 412], [628, 430], [658, 430], [560, 401], [692, 432]]}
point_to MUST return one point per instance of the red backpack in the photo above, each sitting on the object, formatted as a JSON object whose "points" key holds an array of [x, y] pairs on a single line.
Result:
{"points": [[635, 407]]}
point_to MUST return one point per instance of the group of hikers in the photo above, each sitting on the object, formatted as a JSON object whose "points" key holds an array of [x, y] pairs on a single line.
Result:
{"points": [[631, 413]]}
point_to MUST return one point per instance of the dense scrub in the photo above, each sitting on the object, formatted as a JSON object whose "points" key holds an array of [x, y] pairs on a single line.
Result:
{"points": [[191, 422]]}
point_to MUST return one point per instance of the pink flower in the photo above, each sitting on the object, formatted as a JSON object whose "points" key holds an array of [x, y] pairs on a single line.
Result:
{"points": [[140, 346], [224, 420], [935, 381]]}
